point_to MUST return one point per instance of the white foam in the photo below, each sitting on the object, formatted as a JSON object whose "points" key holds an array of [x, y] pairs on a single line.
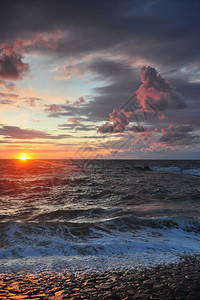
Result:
{"points": [[124, 249], [87, 263]]}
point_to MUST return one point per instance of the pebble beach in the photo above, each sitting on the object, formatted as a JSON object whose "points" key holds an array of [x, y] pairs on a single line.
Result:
{"points": [[173, 281]]}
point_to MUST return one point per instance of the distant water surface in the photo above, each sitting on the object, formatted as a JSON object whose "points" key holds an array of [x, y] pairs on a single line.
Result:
{"points": [[97, 214]]}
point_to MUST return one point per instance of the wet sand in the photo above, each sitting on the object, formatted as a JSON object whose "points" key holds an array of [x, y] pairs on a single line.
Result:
{"points": [[174, 281]]}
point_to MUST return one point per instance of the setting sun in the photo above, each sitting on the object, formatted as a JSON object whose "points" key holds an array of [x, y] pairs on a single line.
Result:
{"points": [[23, 156]]}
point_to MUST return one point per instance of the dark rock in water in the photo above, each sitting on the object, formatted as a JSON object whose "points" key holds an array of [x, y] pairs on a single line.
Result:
{"points": [[143, 168]]}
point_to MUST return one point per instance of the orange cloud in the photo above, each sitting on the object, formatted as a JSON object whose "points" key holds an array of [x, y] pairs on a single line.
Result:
{"points": [[41, 40]]}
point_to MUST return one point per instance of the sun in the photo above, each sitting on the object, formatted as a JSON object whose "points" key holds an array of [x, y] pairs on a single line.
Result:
{"points": [[23, 156]]}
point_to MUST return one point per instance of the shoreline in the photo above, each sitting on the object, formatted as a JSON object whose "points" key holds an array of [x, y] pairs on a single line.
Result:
{"points": [[179, 280]]}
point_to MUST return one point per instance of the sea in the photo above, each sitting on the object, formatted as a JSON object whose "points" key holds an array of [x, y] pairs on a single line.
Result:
{"points": [[95, 215]]}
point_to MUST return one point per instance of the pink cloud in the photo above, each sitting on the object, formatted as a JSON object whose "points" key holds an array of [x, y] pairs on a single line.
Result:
{"points": [[79, 102], [162, 117], [156, 93], [19, 44], [74, 121], [137, 129], [119, 119], [53, 109], [33, 101], [41, 40]]}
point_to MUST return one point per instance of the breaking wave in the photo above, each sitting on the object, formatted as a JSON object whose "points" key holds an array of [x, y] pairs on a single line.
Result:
{"points": [[177, 169]]}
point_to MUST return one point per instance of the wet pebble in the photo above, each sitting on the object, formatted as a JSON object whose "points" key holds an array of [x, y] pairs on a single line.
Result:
{"points": [[174, 281]]}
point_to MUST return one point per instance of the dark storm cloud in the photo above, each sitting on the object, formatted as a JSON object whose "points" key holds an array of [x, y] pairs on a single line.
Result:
{"points": [[162, 31], [121, 81], [137, 129], [190, 90], [113, 70], [178, 135], [11, 64]]}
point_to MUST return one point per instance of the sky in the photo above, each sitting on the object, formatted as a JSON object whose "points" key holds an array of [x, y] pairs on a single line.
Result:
{"points": [[100, 79]]}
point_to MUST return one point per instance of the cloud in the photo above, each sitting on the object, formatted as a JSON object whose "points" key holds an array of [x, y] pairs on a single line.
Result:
{"points": [[110, 69], [6, 102], [11, 64], [162, 117], [178, 135], [137, 129], [74, 121], [113, 38], [142, 29], [120, 80], [53, 109], [14, 132], [70, 109], [32, 101], [77, 126], [68, 71], [10, 85], [119, 119], [157, 94], [40, 40], [2, 82], [8, 99], [78, 102], [8, 95]]}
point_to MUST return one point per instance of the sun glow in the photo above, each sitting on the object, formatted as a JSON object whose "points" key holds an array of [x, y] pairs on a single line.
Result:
{"points": [[23, 156]]}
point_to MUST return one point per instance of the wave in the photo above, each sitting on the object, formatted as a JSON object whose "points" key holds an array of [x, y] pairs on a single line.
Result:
{"points": [[75, 214], [177, 169], [192, 172], [119, 235]]}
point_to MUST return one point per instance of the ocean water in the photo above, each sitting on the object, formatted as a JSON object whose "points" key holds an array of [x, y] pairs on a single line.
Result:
{"points": [[85, 215]]}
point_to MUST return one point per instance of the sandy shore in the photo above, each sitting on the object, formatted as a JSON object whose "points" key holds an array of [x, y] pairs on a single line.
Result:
{"points": [[173, 281]]}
